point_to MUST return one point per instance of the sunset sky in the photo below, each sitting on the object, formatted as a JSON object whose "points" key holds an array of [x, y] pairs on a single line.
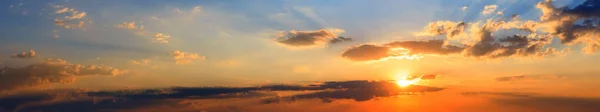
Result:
{"points": [[439, 55]]}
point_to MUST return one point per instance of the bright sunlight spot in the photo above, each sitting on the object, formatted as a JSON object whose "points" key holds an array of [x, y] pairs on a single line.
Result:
{"points": [[403, 79]]}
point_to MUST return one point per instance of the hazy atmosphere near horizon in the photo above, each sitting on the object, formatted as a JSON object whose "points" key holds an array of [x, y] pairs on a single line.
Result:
{"points": [[300, 56]]}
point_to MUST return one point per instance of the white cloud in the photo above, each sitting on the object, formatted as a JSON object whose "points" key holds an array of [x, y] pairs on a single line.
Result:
{"points": [[489, 9]]}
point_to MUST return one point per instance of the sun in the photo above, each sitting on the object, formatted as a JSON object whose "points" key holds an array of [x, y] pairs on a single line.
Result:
{"points": [[403, 80]]}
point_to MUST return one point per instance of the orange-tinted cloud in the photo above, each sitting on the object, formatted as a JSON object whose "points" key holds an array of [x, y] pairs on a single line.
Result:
{"points": [[367, 52], [49, 72], [29, 54], [185, 58]]}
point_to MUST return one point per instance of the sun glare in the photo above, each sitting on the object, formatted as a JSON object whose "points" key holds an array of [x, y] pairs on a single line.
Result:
{"points": [[403, 80]]}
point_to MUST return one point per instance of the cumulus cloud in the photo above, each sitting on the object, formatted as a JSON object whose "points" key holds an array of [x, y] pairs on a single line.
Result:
{"points": [[295, 38], [562, 22], [29, 54], [480, 39], [185, 58], [452, 29], [489, 9], [48, 72]]}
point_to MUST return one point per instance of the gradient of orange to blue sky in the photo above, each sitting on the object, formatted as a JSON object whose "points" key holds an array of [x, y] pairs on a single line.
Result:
{"points": [[300, 55]]}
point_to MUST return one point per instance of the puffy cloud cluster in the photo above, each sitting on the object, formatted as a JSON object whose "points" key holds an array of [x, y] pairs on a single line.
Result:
{"points": [[73, 19], [489, 9], [142, 62], [185, 58], [578, 25], [29, 54], [310, 38], [562, 22], [161, 38], [452, 29], [128, 25], [48, 72]]}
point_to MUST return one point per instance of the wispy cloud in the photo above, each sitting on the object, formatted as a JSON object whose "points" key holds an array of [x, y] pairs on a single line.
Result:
{"points": [[185, 58], [29, 54], [295, 38]]}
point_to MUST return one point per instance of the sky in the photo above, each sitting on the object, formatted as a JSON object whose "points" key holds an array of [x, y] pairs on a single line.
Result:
{"points": [[283, 55]]}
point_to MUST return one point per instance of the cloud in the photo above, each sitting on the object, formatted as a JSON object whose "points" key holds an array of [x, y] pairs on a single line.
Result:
{"points": [[161, 38], [143, 62], [156, 37], [49, 72], [464, 8], [488, 9], [562, 22], [528, 77], [185, 58], [295, 38], [340, 39], [357, 91], [405, 49], [72, 18], [426, 47], [74, 14], [181, 97], [367, 52], [29, 54], [481, 39], [452, 29], [127, 25]]}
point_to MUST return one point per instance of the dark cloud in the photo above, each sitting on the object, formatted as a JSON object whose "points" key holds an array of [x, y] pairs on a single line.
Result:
{"points": [[29, 54], [311, 38], [358, 91], [48, 72], [366, 52], [94, 101], [516, 45], [340, 39], [426, 47], [528, 77]]}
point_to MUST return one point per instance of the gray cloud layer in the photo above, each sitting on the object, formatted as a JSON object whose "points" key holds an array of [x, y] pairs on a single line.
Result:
{"points": [[311, 38], [48, 72]]}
